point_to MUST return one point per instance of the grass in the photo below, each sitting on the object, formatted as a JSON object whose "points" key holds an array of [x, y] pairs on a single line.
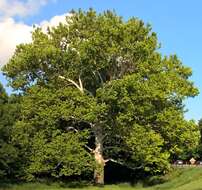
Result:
{"points": [[180, 179]]}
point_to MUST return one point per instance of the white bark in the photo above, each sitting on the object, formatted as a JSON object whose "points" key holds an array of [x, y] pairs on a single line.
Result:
{"points": [[98, 154], [79, 87]]}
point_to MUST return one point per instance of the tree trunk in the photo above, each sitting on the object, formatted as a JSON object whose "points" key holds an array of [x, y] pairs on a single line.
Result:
{"points": [[98, 153]]}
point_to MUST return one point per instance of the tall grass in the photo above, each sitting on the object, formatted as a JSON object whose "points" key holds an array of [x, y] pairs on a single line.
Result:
{"points": [[179, 179]]}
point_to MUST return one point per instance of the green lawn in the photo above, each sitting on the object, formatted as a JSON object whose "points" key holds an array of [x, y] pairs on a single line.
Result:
{"points": [[182, 179]]}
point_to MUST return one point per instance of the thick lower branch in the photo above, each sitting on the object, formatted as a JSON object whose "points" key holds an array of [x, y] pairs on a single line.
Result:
{"points": [[121, 163]]}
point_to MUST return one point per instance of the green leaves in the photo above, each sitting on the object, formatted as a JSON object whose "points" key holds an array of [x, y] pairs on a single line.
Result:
{"points": [[58, 122], [3, 95], [62, 154], [96, 47], [146, 146], [9, 111], [98, 70]]}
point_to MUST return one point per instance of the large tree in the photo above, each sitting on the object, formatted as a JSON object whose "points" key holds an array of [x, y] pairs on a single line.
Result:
{"points": [[104, 77]]}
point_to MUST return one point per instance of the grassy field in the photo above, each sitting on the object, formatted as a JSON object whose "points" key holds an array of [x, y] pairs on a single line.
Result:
{"points": [[181, 179]]}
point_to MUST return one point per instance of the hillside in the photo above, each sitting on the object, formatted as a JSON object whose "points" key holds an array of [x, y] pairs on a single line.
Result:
{"points": [[182, 179]]}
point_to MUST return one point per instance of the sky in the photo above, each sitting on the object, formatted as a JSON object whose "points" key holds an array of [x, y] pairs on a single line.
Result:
{"points": [[178, 24]]}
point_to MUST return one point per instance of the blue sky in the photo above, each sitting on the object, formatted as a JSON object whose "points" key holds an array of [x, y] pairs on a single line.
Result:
{"points": [[178, 24]]}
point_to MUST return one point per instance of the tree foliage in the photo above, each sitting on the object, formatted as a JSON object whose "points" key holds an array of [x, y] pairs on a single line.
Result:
{"points": [[56, 147], [98, 83], [9, 109]]}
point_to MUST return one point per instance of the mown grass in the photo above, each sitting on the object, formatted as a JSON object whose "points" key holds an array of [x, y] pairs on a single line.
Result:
{"points": [[179, 179]]}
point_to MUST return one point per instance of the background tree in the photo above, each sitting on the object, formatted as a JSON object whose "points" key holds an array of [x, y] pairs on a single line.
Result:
{"points": [[9, 109], [104, 78], [198, 151], [200, 128]]}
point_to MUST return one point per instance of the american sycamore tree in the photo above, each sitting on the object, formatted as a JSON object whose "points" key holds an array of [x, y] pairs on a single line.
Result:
{"points": [[96, 89]]}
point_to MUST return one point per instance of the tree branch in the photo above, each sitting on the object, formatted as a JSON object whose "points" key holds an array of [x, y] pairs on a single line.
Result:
{"points": [[90, 149], [102, 82], [72, 128], [81, 85], [121, 163], [76, 130], [99, 75], [80, 88]]}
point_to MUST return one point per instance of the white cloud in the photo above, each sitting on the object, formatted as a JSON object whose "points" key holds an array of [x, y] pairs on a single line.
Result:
{"points": [[13, 33], [10, 8], [53, 21]]}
